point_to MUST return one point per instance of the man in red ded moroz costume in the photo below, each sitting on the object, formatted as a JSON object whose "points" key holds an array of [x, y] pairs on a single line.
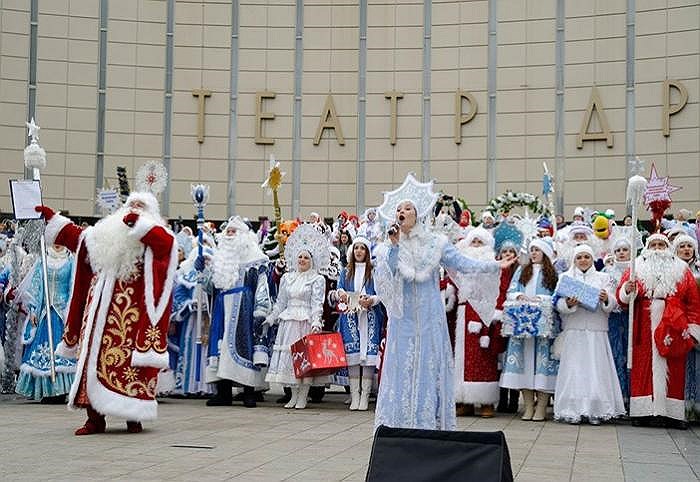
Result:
{"points": [[118, 315], [666, 317]]}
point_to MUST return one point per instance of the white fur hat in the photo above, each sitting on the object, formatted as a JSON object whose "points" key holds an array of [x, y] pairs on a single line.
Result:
{"points": [[544, 245], [479, 233], [657, 236], [684, 238], [148, 200]]}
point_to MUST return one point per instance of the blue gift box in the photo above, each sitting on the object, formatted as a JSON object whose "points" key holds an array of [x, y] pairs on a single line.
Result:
{"points": [[587, 295]]}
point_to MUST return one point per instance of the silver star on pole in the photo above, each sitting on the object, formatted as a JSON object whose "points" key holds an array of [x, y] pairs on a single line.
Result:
{"points": [[33, 130], [636, 166]]}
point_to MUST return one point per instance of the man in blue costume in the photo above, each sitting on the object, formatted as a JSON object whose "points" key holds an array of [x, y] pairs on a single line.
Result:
{"points": [[241, 303]]}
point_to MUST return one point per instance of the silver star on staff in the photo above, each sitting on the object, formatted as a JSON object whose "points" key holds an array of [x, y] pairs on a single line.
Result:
{"points": [[33, 130], [636, 166]]}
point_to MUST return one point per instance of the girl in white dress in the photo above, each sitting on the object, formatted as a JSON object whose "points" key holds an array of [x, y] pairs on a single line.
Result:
{"points": [[587, 384], [298, 310]]}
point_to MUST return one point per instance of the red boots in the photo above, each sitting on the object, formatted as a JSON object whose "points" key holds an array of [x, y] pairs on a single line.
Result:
{"points": [[94, 424]]}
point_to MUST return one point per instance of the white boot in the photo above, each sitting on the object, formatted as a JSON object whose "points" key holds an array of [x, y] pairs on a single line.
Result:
{"points": [[541, 407], [354, 393], [295, 395], [302, 396], [364, 395], [529, 400]]}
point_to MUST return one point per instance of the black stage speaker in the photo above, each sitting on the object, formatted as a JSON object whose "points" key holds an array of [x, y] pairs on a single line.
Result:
{"points": [[410, 455]]}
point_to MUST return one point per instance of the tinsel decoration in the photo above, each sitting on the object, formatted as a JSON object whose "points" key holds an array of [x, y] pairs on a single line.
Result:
{"points": [[27, 235], [124, 189]]}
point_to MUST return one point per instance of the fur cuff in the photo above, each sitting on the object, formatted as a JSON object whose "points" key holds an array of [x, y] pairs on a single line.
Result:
{"points": [[54, 227], [694, 331], [150, 358], [624, 297], [498, 315], [474, 327], [563, 308], [484, 341], [142, 227], [65, 351]]}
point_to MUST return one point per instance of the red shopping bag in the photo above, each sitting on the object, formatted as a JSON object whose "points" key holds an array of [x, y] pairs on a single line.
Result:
{"points": [[318, 354]]}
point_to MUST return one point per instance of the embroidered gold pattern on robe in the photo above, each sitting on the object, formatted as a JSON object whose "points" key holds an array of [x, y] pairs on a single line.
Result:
{"points": [[114, 366]]}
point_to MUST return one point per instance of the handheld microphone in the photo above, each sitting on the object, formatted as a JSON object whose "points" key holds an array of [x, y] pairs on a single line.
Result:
{"points": [[393, 230]]}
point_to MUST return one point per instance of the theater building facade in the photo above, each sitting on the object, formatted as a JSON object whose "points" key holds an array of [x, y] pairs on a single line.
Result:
{"points": [[350, 96]]}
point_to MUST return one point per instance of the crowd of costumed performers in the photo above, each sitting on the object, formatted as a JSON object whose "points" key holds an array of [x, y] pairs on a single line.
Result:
{"points": [[430, 309]]}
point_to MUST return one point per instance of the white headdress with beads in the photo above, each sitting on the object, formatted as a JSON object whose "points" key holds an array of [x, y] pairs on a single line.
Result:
{"points": [[307, 238]]}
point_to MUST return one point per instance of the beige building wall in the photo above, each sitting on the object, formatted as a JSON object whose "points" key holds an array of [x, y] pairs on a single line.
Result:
{"points": [[331, 42], [394, 63], [595, 56], [14, 71], [266, 63], [525, 96], [459, 61], [667, 46], [202, 59], [135, 81]]}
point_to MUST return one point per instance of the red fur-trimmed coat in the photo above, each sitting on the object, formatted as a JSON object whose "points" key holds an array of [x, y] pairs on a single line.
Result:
{"points": [[657, 382], [117, 329], [476, 349]]}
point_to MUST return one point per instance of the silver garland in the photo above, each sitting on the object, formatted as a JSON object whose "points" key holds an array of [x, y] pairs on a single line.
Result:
{"points": [[27, 239]]}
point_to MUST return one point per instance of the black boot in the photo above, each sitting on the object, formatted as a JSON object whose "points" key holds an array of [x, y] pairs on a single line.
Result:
{"points": [[502, 401], [224, 394], [513, 399], [57, 400], [286, 397], [677, 424], [249, 397], [317, 393]]}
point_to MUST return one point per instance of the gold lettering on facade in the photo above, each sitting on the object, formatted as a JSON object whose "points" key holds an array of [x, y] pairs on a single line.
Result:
{"points": [[260, 116], [329, 120], [393, 97], [594, 104], [668, 109], [461, 118], [201, 95]]}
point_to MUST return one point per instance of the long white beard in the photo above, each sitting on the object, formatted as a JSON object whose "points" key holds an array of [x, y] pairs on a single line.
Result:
{"points": [[660, 272], [480, 253], [232, 252], [111, 249]]}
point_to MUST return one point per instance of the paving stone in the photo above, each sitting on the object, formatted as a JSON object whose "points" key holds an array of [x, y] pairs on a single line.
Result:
{"points": [[325, 442]]}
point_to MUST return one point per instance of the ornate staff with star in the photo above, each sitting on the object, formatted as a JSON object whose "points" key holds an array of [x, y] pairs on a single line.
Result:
{"points": [[200, 196], [35, 159], [636, 185], [272, 184]]}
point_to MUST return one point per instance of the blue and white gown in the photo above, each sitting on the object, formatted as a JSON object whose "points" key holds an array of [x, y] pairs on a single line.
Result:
{"points": [[417, 381], [618, 328], [528, 364], [35, 371], [361, 331], [188, 353]]}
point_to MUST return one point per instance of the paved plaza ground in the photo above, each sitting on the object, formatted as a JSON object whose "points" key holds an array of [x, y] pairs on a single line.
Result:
{"points": [[325, 442]]}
